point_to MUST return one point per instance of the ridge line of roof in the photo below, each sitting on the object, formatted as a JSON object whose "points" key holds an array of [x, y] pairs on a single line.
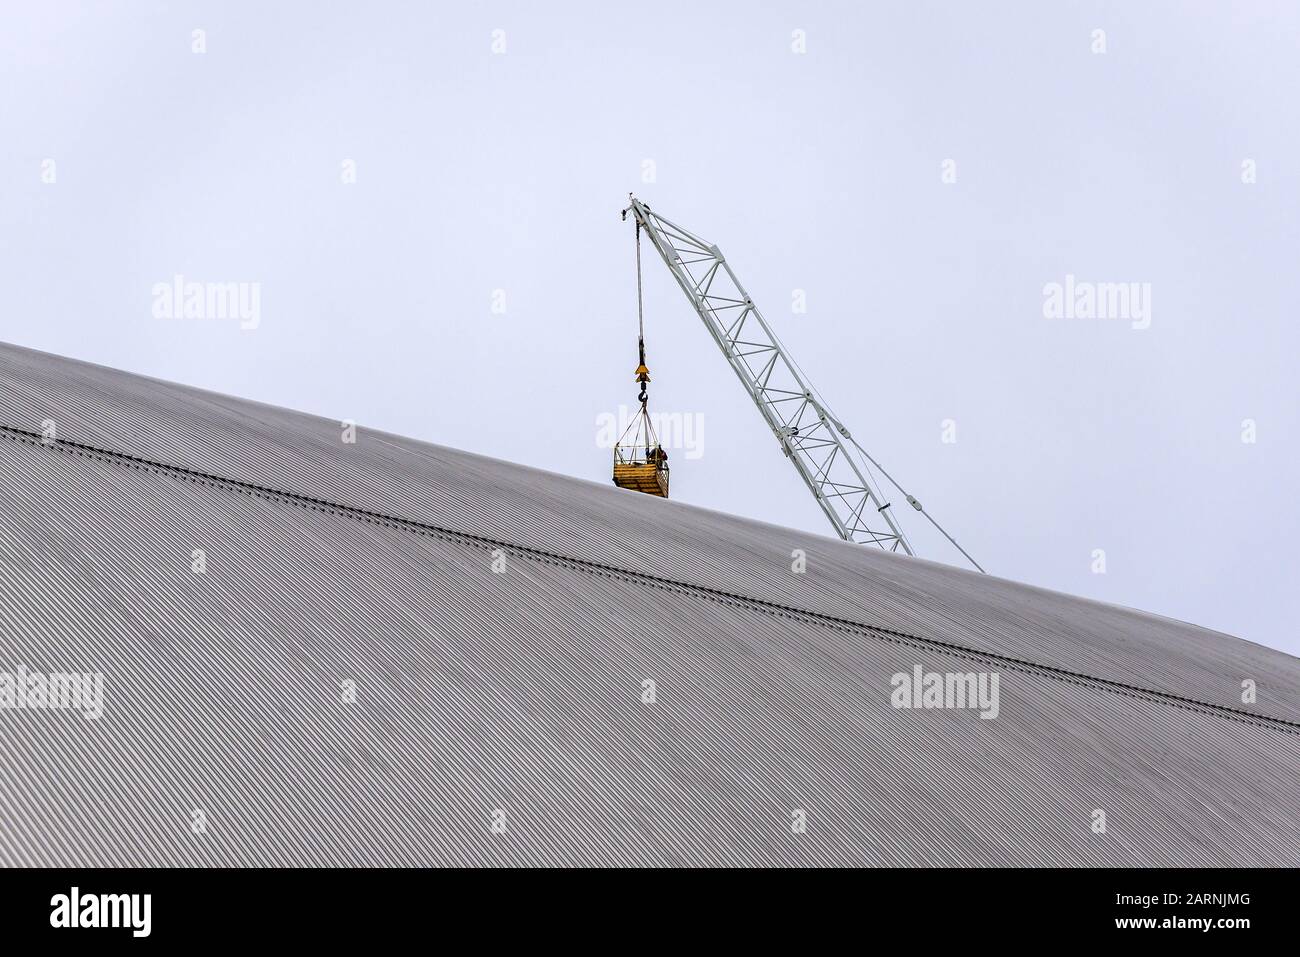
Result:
{"points": [[24, 436]]}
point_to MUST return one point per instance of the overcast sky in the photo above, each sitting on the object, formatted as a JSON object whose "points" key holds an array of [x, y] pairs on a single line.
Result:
{"points": [[474, 287]]}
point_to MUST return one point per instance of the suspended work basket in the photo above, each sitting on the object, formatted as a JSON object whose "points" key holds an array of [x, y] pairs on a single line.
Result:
{"points": [[640, 462]]}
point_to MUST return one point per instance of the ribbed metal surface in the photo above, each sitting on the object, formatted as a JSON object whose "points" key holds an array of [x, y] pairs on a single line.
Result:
{"points": [[522, 690]]}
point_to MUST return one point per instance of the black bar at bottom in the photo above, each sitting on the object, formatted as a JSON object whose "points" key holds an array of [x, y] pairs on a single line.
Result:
{"points": [[620, 908]]}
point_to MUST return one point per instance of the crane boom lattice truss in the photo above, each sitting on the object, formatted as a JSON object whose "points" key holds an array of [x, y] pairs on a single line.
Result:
{"points": [[809, 435]]}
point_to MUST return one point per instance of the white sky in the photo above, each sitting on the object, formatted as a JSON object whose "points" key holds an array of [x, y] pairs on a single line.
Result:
{"points": [[479, 171]]}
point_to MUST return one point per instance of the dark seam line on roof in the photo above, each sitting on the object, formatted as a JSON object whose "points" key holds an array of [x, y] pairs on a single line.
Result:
{"points": [[656, 581]]}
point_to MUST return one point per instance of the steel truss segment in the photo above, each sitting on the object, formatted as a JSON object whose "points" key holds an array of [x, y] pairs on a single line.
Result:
{"points": [[834, 475]]}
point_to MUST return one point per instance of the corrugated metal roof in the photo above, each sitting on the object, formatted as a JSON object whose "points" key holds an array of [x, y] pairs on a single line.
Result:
{"points": [[521, 691]]}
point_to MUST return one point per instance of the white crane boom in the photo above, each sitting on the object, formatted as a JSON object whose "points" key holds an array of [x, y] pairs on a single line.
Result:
{"points": [[811, 437]]}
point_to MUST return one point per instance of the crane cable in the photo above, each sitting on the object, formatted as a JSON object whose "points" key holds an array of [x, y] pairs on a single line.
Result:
{"points": [[640, 310], [642, 422], [910, 500]]}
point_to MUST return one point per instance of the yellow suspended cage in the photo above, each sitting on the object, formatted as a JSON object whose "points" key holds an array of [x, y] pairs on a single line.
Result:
{"points": [[641, 464]]}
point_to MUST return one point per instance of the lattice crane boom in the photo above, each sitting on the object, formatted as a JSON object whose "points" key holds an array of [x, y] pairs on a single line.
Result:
{"points": [[816, 443]]}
